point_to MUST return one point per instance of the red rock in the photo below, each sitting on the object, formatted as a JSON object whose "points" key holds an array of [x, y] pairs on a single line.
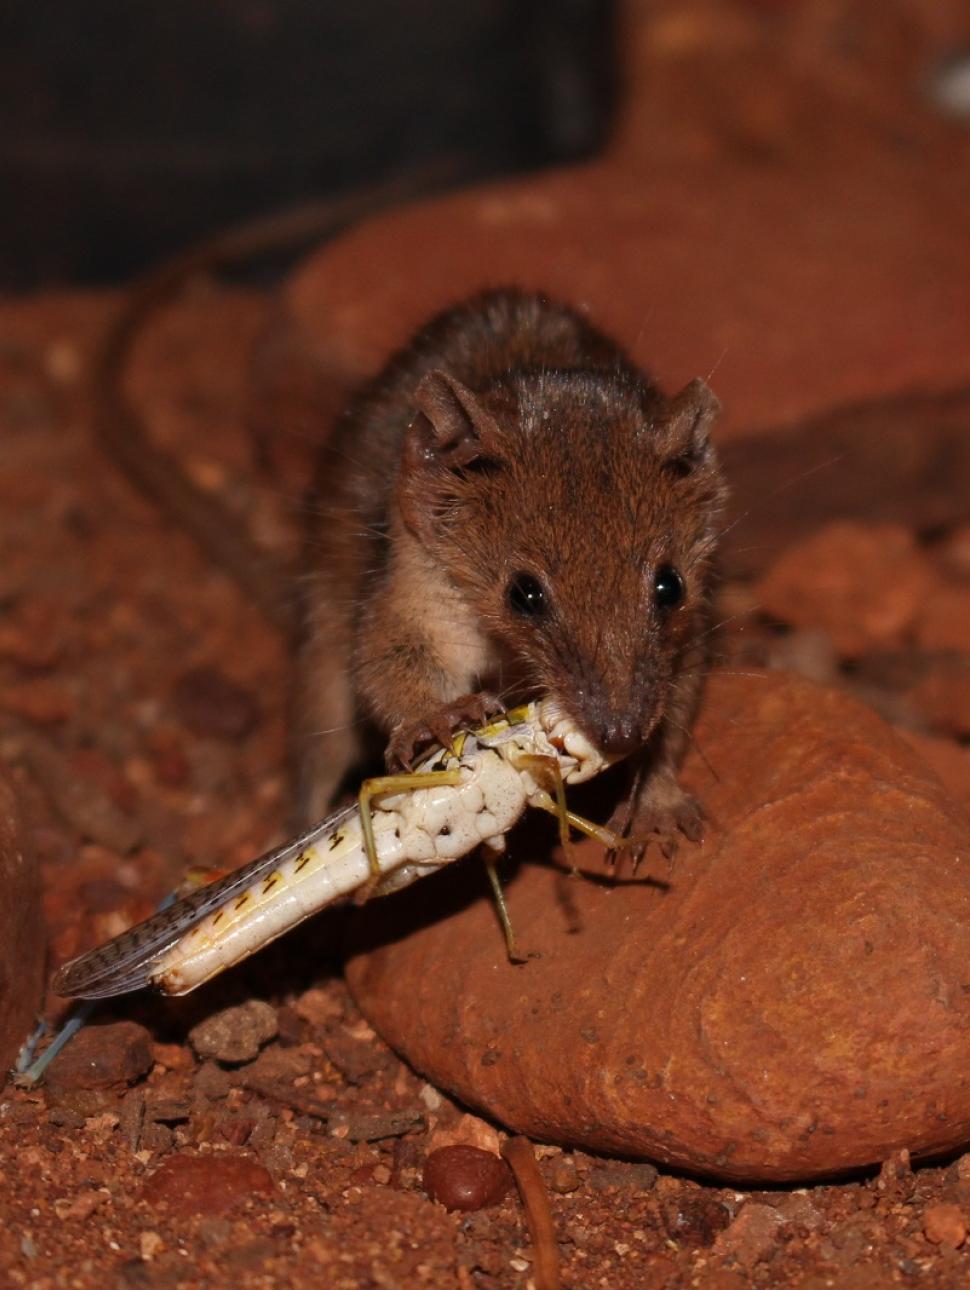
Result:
{"points": [[355, 1056], [467, 1131], [791, 1005], [235, 1034], [190, 1185], [896, 1172], [796, 1207], [563, 1176], [864, 585], [21, 932], [945, 1225], [752, 1236], [466, 1178], [103, 1056]]}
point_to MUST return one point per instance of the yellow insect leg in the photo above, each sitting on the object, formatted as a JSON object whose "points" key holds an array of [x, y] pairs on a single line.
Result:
{"points": [[501, 908], [382, 784], [546, 768]]}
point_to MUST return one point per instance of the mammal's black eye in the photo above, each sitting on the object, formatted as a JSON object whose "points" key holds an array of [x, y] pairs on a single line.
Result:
{"points": [[526, 595], [668, 587]]}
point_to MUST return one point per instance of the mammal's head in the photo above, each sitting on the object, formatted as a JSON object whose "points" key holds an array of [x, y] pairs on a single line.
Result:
{"points": [[576, 511]]}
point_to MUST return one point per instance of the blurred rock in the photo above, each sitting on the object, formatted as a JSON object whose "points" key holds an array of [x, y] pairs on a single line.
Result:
{"points": [[190, 1185], [790, 1005], [944, 619], [863, 585], [832, 269], [209, 703]]}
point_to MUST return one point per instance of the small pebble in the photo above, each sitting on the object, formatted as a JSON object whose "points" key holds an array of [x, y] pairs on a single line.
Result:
{"points": [[896, 1169], [467, 1131], [945, 1225], [752, 1236], [102, 1056], [466, 1178], [356, 1059], [373, 1126], [208, 703], [563, 1176], [80, 1207], [174, 1057], [796, 1207], [150, 1245], [235, 1034], [213, 1082], [237, 1129], [620, 1176]]}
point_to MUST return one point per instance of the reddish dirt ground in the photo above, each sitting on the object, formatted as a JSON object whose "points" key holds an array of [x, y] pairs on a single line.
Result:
{"points": [[142, 705]]}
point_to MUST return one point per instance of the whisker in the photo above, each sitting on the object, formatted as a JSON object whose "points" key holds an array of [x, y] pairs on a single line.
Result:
{"points": [[692, 739], [782, 488], [724, 353]]}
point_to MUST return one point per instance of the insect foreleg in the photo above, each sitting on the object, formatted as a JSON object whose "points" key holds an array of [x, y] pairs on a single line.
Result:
{"points": [[613, 841], [542, 767]]}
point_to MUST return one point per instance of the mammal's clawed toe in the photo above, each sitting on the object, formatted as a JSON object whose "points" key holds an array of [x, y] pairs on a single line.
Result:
{"points": [[411, 739]]}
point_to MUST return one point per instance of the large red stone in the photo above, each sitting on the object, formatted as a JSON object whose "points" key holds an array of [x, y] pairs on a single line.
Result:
{"points": [[757, 221], [796, 1002]]}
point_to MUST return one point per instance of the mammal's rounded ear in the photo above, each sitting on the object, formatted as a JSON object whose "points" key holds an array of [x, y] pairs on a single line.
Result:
{"points": [[683, 427], [452, 437], [457, 429]]}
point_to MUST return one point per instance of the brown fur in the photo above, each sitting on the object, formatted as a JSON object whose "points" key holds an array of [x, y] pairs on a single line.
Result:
{"points": [[509, 437]]}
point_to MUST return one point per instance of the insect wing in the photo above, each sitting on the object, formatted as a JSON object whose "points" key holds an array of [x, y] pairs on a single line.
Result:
{"points": [[128, 962]]}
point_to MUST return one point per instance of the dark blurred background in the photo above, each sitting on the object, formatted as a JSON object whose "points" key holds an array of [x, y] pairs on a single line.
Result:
{"points": [[128, 130]]}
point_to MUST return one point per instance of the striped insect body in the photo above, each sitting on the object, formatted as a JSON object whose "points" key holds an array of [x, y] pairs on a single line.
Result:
{"points": [[404, 828]]}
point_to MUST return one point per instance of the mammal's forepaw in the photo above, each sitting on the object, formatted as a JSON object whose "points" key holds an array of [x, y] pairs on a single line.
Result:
{"points": [[410, 739], [660, 811]]}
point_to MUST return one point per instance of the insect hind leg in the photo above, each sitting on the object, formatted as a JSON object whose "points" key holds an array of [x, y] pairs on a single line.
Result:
{"points": [[380, 786]]}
